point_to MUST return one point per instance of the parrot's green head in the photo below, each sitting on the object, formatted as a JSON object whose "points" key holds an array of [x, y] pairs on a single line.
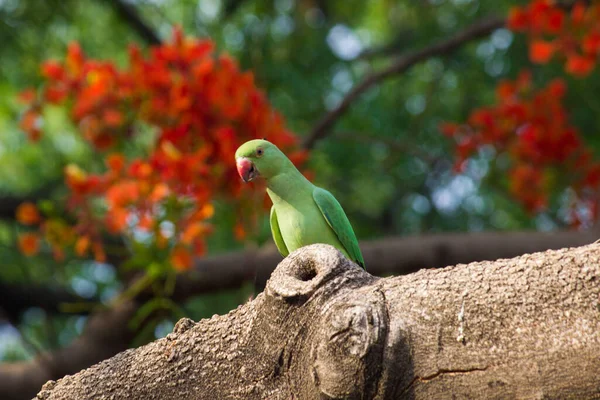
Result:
{"points": [[259, 158]]}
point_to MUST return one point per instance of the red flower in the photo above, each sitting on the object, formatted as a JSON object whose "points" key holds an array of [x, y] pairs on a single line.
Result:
{"points": [[29, 243], [181, 259], [518, 19], [591, 44], [27, 214], [579, 65], [540, 51]]}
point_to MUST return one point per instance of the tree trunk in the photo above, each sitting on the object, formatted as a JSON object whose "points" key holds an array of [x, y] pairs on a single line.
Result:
{"points": [[527, 327]]}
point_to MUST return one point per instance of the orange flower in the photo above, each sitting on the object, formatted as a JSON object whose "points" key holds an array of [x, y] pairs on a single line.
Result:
{"points": [[540, 51], [194, 231], [116, 220], [579, 65], [82, 245], [27, 96], [170, 150], [518, 19], [578, 13], [557, 88], [113, 118], [146, 222], [181, 259], [27, 214], [52, 70], [239, 231], [29, 243], [75, 175], [99, 254], [140, 169], [54, 94], [30, 124], [448, 128], [75, 59], [159, 192], [555, 20], [206, 211], [122, 194], [591, 44], [115, 162]]}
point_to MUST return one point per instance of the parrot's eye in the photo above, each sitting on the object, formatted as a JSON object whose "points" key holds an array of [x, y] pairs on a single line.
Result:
{"points": [[259, 152]]}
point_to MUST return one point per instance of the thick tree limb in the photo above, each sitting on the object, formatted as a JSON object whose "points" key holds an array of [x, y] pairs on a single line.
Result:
{"points": [[444, 47], [383, 257], [389, 256], [527, 327]]}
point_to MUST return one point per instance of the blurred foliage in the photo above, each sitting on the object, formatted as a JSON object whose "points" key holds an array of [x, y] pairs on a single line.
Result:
{"points": [[386, 161]]}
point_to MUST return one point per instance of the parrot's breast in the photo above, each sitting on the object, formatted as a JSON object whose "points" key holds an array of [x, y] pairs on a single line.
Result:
{"points": [[301, 223]]}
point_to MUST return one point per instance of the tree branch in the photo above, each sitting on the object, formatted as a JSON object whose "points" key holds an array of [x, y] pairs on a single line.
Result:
{"points": [[383, 257], [402, 40], [16, 298], [130, 15], [444, 47], [519, 328], [230, 7], [395, 255]]}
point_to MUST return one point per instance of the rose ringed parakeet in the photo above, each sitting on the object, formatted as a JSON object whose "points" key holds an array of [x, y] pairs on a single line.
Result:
{"points": [[302, 213]]}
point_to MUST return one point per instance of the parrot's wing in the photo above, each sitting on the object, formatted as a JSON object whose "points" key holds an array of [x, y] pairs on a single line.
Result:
{"points": [[338, 221], [277, 234]]}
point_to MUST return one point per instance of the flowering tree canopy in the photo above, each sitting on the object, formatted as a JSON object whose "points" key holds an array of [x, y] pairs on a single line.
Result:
{"points": [[200, 108], [531, 123]]}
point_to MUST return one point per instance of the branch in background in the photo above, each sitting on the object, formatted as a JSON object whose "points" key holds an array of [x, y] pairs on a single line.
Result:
{"points": [[394, 47], [325, 8], [444, 47], [132, 17], [16, 298], [389, 256], [231, 7], [9, 204], [105, 335]]}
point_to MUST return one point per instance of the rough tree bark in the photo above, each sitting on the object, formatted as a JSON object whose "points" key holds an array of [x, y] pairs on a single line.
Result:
{"points": [[527, 327], [386, 256]]}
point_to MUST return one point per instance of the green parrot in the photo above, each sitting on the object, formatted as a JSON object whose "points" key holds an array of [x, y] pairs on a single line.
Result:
{"points": [[302, 213]]}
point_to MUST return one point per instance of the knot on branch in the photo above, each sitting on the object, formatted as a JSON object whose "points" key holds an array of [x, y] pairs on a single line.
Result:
{"points": [[183, 325], [46, 390], [347, 355], [307, 269]]}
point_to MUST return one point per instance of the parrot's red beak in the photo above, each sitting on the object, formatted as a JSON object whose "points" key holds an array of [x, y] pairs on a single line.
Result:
{"points": [[246, 169]]}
